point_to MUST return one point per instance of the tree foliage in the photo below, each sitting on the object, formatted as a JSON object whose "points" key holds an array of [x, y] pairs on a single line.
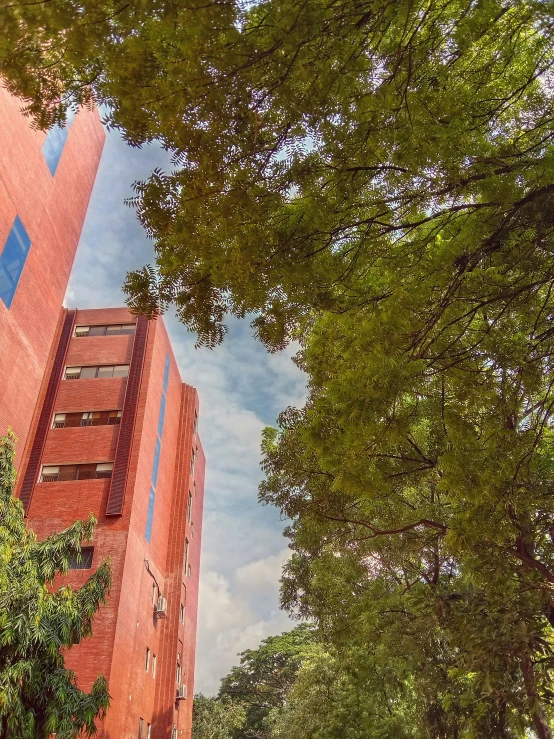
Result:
{"points": [[327, 155], [38, 696], [214, 718], [334, 698], [264, 677]]}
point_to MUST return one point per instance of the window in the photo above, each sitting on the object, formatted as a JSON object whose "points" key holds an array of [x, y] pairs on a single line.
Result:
{"points": [[182, 614], [49, 474], [195, 426], [153, 665], [82, 561], [186, 554], [88, 373], [104, 471], [148, 728], [65, 472], [154, 600], [155, 466], [12, 260], [147, 661], [141, 727], [179, 670], [194, 487], [59, 421], [189, 572], [192, 462], [150, 514], [189, 507], [114, 330], [161, 416], [87, 418], [55, 141], [114, 418]]}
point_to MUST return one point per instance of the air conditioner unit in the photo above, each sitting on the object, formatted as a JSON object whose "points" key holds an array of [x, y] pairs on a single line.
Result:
{"points": [[182, 692], [161, 607]]}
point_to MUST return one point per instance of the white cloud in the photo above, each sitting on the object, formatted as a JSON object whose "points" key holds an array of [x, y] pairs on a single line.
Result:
{"points": [[231, 619]]}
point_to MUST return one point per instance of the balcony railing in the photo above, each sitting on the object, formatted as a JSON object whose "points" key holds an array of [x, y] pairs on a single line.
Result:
{"points": [[59, 424], [49, 478], [102, 475]]}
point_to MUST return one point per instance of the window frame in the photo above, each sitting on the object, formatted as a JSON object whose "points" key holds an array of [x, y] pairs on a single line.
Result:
{"points": [[96, 376], [87, 557], [12, 260]]}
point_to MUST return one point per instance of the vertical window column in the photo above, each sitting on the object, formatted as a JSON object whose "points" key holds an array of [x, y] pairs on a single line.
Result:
{"points": [[157, 453], [12, 260], [54, 143]]}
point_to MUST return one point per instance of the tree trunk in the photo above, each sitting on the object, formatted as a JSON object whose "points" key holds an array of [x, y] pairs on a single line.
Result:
{"points": [[539, 722], [503, 730]]}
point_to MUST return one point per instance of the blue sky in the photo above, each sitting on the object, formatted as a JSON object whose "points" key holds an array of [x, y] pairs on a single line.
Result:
{"points": [[242, 389]]}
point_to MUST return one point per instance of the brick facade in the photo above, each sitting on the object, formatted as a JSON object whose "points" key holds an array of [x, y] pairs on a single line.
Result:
{"points": [[52, 210], [127, 625]]}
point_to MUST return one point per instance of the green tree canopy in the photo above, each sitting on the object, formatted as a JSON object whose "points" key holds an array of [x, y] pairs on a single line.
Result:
{"points": [[328, 156], [263, 678], [334, 699], [215, 718], [38, 695]]}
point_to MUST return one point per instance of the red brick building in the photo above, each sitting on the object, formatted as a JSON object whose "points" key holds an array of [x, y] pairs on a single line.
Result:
{"points": [[115, 433], [45, 185]]}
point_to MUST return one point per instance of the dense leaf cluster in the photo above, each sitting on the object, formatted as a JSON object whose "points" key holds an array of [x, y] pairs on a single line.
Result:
{"points": [[39, 697]]}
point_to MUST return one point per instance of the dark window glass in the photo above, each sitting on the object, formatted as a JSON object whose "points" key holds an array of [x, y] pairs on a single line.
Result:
{"points": [[114, 418], [96, 331], [73, 419], [13, 257], [88, 373], [86, 472], [113, 330], [99, 418], [104, 470], [155, 466], [166, 373], [49, 473], [7, 288], [150, 514], [161, 417], [53, 147], [85, 558], [68, 472], [87, 418], [186, 555], [12, 260], [189, 508]]}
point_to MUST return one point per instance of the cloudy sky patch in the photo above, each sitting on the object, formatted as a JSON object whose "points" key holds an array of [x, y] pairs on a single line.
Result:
{"points": [[242, 388]]}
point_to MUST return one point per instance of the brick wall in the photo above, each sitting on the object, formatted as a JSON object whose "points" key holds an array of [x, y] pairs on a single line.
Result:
{"points": [[52, 210]]}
